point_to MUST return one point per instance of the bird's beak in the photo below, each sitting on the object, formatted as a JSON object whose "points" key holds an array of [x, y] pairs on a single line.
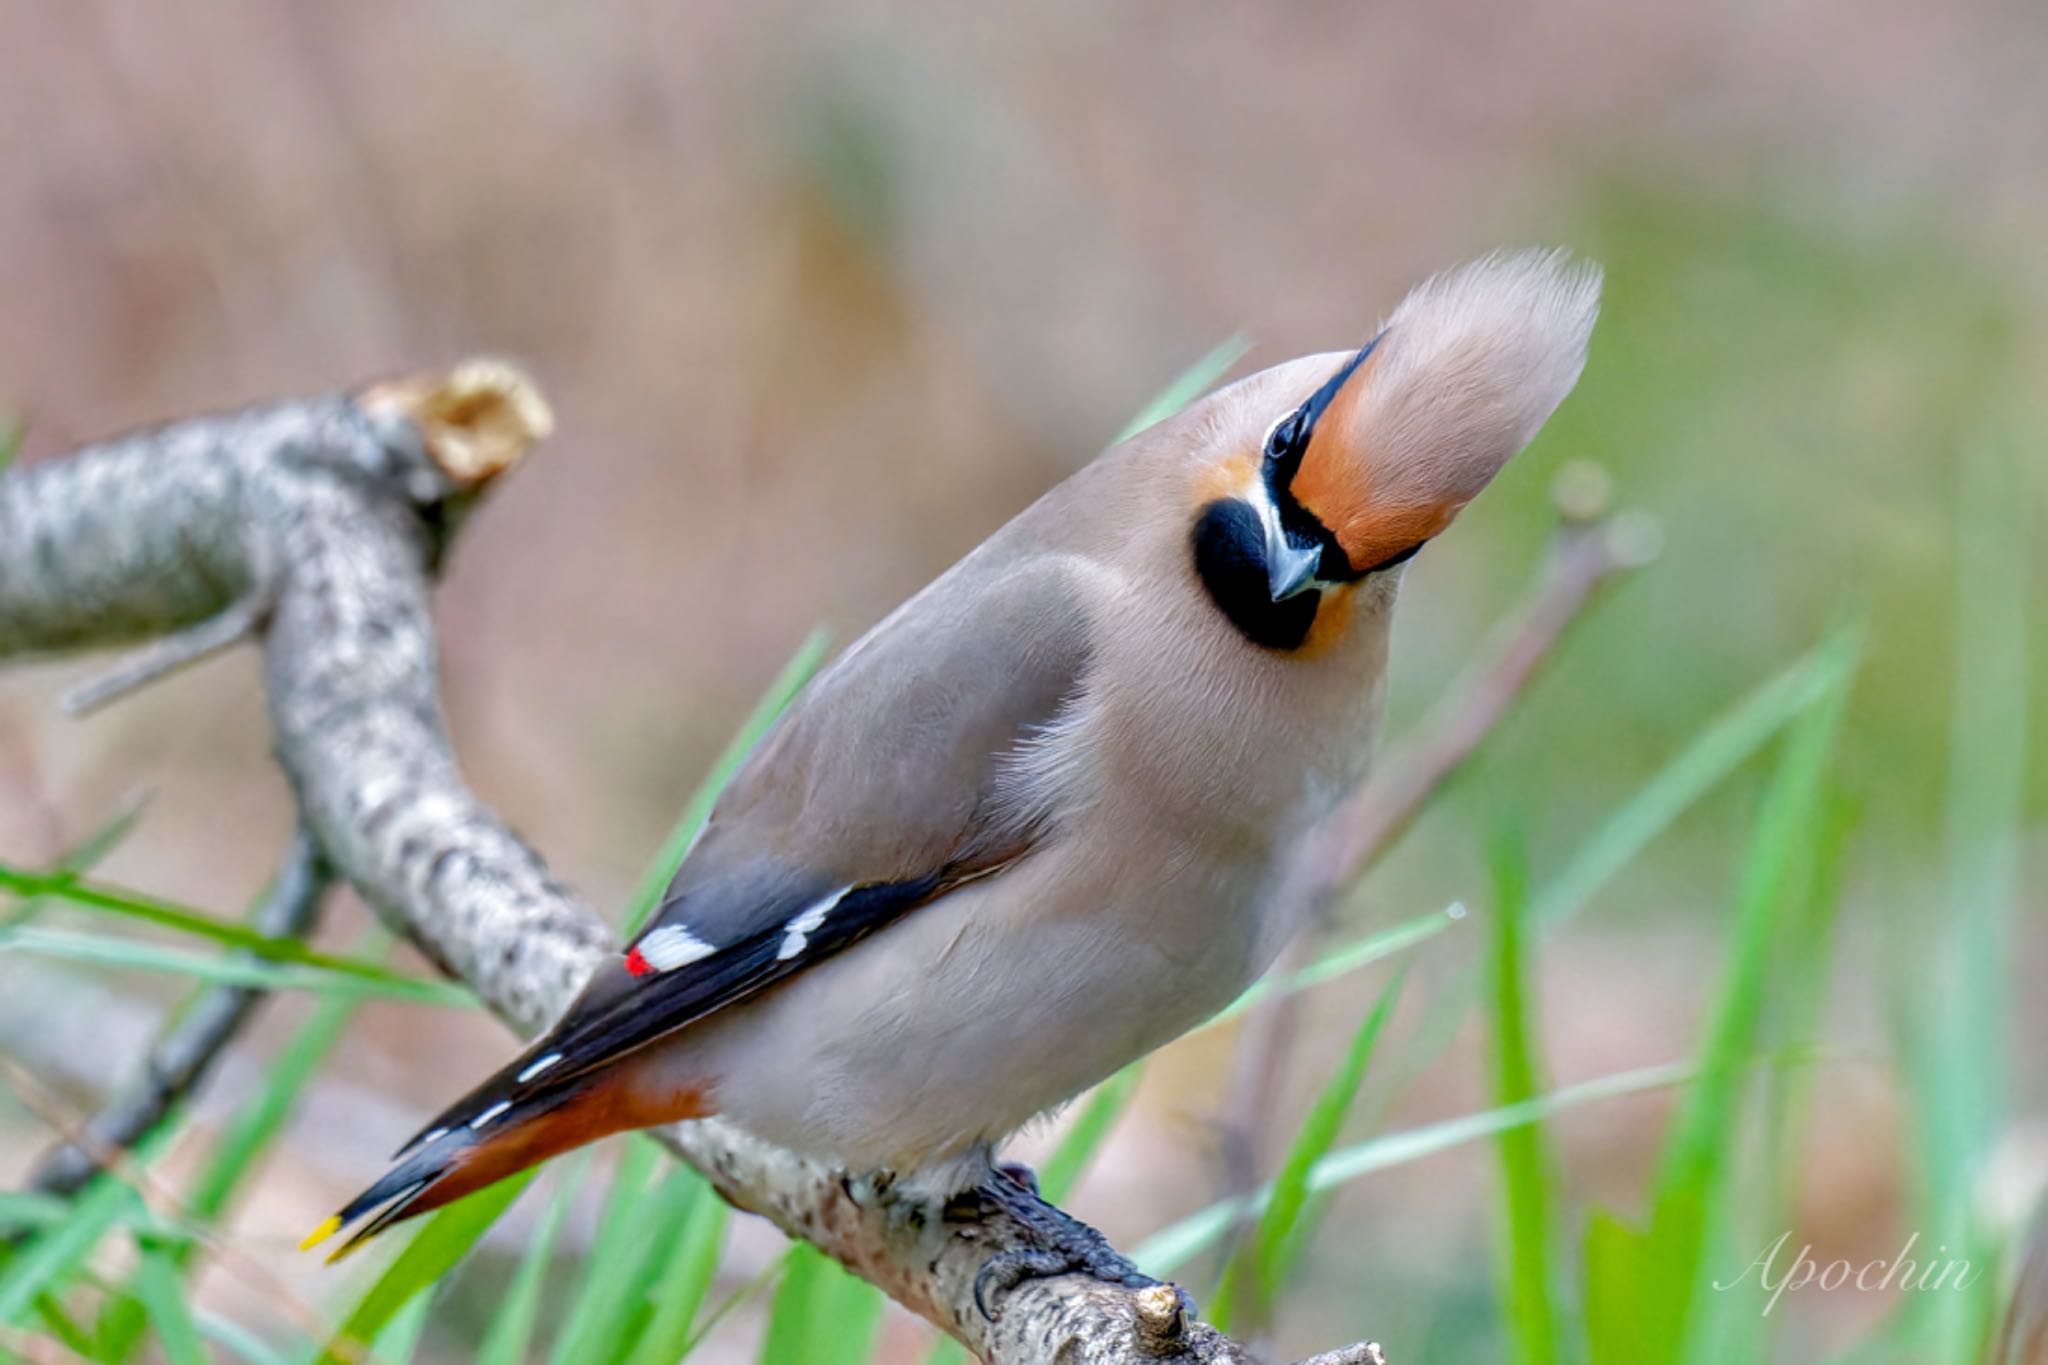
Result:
{"points": [[1289, 571]]}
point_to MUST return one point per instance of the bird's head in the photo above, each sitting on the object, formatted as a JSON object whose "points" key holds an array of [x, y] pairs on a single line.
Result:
{"points": [[1390, 441]]}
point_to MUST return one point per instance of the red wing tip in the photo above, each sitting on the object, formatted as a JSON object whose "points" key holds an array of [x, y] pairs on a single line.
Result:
{"points": [[637, 964]]}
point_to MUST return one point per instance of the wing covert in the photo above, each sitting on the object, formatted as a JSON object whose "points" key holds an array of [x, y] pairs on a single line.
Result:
{"points": [[879, 789]]}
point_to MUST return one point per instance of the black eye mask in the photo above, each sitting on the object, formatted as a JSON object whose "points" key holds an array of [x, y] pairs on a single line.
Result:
{"points": [[1230, 555]]}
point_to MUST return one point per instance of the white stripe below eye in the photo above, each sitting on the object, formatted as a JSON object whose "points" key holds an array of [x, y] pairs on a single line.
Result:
{"points": [[1261, 498], [796, 935], [481, 1119], [673, 946], [542, 1065]]}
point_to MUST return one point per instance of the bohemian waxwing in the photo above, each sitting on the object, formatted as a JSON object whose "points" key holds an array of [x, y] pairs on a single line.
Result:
{"points": [[1027, 828]]}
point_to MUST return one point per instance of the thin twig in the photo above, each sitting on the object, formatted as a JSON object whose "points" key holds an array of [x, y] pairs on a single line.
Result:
{"points": [[1592, 549], [1588, 556], [231, 627], [179, 1060]]}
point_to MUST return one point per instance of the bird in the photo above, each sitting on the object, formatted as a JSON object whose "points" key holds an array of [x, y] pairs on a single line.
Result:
{"points": [[1030, 826]]}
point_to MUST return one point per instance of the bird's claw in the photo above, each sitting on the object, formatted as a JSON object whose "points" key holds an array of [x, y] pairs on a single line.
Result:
{"points": [[1007, 1269], [1059, 1244]]}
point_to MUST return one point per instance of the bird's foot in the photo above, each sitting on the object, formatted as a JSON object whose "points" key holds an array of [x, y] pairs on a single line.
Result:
{"points": [[1060, 1243]]}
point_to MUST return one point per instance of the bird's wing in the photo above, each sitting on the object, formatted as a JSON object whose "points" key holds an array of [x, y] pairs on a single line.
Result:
{"points": [[885, 785]]}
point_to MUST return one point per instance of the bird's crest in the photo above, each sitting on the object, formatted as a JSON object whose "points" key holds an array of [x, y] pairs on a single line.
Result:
{"points": [[1461, 376]]}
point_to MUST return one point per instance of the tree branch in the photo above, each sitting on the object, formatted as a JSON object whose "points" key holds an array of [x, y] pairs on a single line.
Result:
{"points": [[332, 513]]}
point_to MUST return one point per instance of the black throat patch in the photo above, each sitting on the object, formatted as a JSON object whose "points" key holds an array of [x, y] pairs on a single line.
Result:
{"points": [[1230, 556]]}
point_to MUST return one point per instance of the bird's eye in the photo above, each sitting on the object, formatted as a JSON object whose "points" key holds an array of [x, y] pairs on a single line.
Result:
{"points": [[1285, 437]]}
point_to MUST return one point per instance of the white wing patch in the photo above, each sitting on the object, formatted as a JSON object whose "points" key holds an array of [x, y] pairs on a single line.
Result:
{"points": [[539, 1066], [670, 947], [796, 935], [481, 1119]]}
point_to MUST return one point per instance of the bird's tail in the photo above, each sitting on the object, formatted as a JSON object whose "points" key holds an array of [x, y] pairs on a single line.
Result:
{"points": [[468, 1150]]}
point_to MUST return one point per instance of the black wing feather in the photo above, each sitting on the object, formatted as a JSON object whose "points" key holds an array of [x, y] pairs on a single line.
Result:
{"points": [[656, 1005], [667, 1001]]}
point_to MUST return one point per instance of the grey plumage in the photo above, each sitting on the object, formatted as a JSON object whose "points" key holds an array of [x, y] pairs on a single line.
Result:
{"points": [[1028, 827]]}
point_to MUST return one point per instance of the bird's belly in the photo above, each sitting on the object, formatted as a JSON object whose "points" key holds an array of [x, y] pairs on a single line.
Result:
{"points": [[985, 1009]]}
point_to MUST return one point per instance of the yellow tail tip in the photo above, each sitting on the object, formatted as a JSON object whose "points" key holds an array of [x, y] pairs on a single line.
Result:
{"points": [[346, 1250], [320, 1234]]}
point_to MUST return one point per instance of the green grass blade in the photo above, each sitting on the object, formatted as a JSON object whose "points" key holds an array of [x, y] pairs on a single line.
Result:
{"points": [[768, 1275], [817, 1316], [1280, 1231], [787, 1340], [67, 1331], [1618, 1268], [400, 1339], [1253, 1280], [445, 1239], [239, 1340], [1787, 824], [802, 665], [81, 858], [1694, 1166], [25, 1211], [258, 1123], [1346, 959], [510, 1334], [1529, 1275], [621, 1243], [160, 1286], [787, 1335], [849, 1312], [1196, 380], [89, 852], [1099, 1113], [1730, 740], [683, 1284], [133, 905], [1173, 1246], [621, 1313], [1731, 1328], [1958, 1002], [248, 1135], [45, 1262], [821, 1314], [106, 950], [1727, 742]]}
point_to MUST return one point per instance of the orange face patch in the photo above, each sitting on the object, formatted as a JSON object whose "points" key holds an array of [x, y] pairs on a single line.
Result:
{"points": [[1373, 535], [1226, 478], [1333, 616], [1335, 484]]}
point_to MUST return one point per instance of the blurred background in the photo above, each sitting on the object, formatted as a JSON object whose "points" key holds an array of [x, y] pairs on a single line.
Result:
{"points": [[832, 290]]}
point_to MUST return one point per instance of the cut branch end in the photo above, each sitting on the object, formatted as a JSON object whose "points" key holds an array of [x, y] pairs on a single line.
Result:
{"points": [[476, 421]]}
